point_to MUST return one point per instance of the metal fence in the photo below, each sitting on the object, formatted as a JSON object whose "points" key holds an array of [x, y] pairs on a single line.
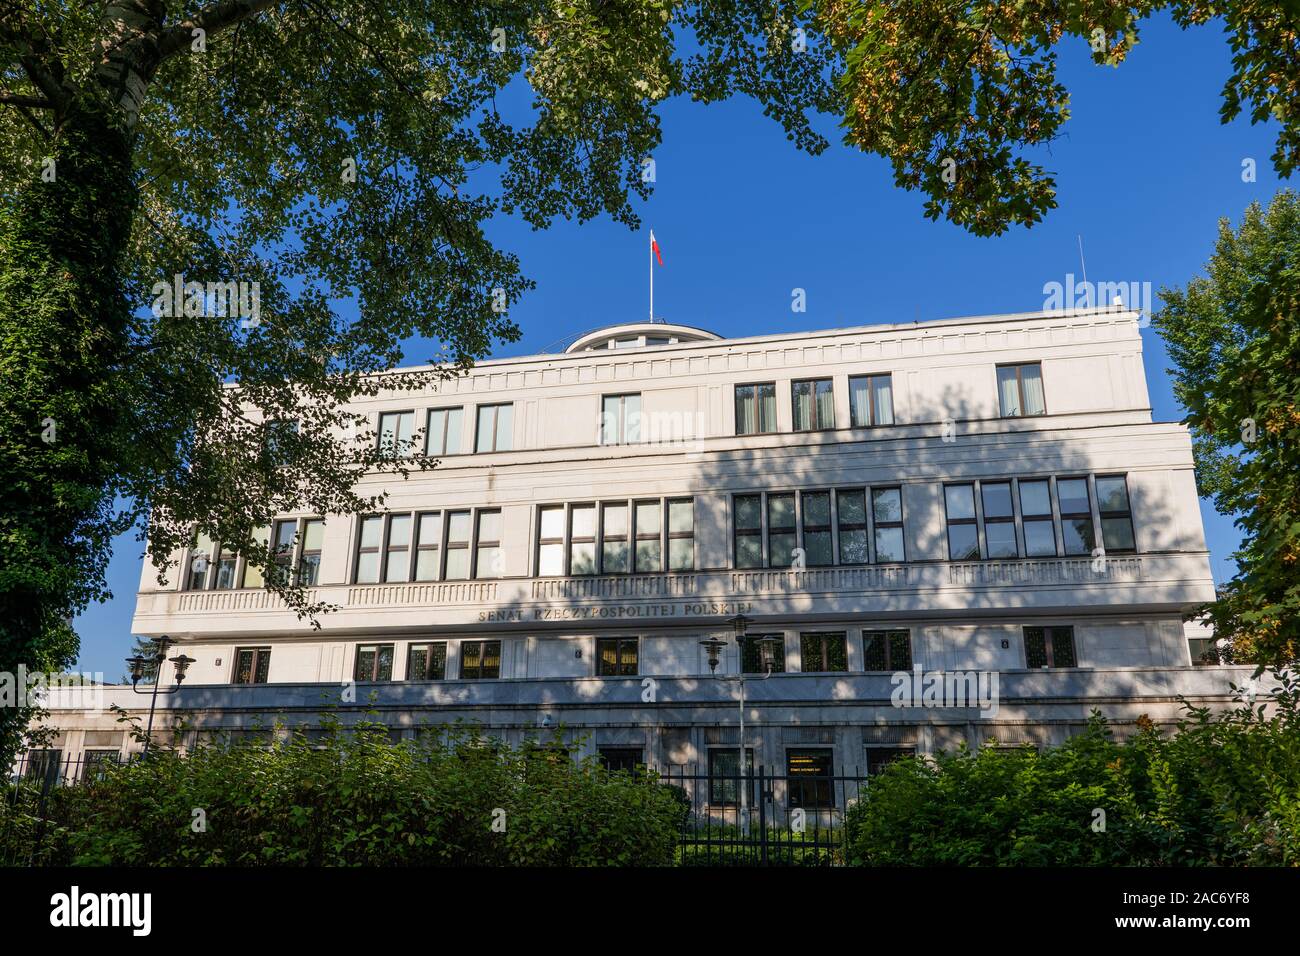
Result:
{"points": [[26, 793]]}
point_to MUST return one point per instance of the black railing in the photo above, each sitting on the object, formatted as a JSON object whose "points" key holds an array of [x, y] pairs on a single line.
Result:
{"points": [[26, 792]]}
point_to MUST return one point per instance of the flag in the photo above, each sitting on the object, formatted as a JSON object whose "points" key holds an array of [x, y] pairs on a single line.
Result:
{"points": [[654, 245]]}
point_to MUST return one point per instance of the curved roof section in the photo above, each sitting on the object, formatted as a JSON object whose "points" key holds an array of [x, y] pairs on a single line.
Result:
{"points": [[632, 335]]}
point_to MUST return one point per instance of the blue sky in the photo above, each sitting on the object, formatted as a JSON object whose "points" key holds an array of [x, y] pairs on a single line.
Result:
{"points": [[1144, 172]]}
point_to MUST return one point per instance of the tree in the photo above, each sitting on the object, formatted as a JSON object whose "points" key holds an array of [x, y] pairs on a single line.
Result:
{"points": [[1235, 343]]}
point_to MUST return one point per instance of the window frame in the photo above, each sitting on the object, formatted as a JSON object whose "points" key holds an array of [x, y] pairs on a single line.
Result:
{"points": [[754, 388], [745, 768], [620, 644], [870, 379], [375, 668], [379, 433], [477, 544], [817, 780], [1050, 652], [1020, 389], [446, 411], [633, 537], [817, 425], [886, 635], [1063, 515], [825, 648], [482, 645], [260, 653], [412, 647], [495, 408], [623, 434], [1126, 514]]}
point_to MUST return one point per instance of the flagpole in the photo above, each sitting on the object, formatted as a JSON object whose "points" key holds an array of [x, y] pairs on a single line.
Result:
{"points": [[651, 250]]}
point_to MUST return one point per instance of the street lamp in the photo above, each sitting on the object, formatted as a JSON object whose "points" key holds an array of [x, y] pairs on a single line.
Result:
{"points": [[138, 665]]}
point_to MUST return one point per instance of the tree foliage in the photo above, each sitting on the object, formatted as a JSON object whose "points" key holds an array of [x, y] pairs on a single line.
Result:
{"points": [[1234, 339]]}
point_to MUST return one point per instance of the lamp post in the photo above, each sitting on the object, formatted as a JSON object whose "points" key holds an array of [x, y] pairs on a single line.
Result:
{"points": [[767, 660], [138, 664]]}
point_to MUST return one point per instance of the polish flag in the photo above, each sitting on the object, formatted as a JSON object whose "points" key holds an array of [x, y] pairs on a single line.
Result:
{"points": [[654, 245]]}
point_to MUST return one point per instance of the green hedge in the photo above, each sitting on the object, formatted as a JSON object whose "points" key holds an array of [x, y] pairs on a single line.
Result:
{"points": [[358, 800], [1221, 790]]}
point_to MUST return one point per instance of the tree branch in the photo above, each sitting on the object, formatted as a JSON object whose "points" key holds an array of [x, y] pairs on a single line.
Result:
{"points": [[35, 102], [211, 20]]}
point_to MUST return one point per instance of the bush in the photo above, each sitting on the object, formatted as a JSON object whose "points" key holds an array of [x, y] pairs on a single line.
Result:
{"points": [[361, 800], [1221, 790]]}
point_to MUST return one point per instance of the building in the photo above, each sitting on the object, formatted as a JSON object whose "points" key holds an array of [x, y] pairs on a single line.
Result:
{"points": [[984, 497]]}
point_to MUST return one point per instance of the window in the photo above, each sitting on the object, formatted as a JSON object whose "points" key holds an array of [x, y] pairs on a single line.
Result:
{"points": [[428, 546], [395, 432], [489, 561], [480, 660], [852, 507], [252, 665], [887, 650], [615, 554], [616, 656], [751, 654], [1020, 390], [817, 528], [374, 663], [1205, 652], [1036, 518], [443, 434], [371, 540], [823, 651], [878, 758], [397, 563], [780, 530], [201, 556], [459, 529], [756, 409], [44, 764], [621, 759], [253, 576], [494, 428], [963, 535], [1076, 515], [811, 778], [616, 537], [871, 400], [225, 570], [999, 520], [620, 419], [1116, 519], [582, 539], [427, 661], [724, 777], [550, 540], [1049, 647], [814, 404], [649, 544], [681, 534], [280, 436], [96, 762], [748, 511], [286, 534], [887, 517], [313, 540]]}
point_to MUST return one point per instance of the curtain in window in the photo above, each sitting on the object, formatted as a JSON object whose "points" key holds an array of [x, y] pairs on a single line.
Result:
{"points": [[882, 396], [1008, 392], [746, 411], [803, 405], [859, 411], [1031, 377], [825, 405]]}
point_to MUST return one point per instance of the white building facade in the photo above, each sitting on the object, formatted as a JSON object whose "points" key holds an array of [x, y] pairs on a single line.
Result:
{"points": [[987, 499]]}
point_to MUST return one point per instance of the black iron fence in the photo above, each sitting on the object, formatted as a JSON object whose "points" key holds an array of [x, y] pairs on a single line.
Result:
{"points": [[26, 793]]}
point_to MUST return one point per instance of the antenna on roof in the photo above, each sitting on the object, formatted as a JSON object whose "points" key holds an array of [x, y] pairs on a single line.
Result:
{"points": [[1082, 264]]}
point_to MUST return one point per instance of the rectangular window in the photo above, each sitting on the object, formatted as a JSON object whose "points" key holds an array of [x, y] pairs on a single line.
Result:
{"points": [[1076, 515], [811, 778], [963, 534], [582, 539], [495, 428], [818, 551], [681, 534], [649, 536], [374, 663], [253, 577], [1116, 519], [620, 419], [428, 546], [887, 518], [313, 541], [202, 554], [1205, 652], [814, 404], [780, 530], [749, 531], [1036, 518], [871, 400], [616, 656], [444, 430], [395, 432], [459, 529], [823, 651], [756, 409], [1020, 390], [887, 650], [427, 661], [621, 759], [1049, 647], [371, 540], [480, 660], [225, 570], [252, 665], [286, 536], [489, 560], [615, 552], [999, 520], [852, 507], [724, 777], [751, 654], [878, 758], [550, 541], [397, 561]]}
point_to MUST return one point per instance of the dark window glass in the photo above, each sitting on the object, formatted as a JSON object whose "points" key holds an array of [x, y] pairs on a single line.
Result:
{"points": [[887, 650], [817, 528], [823, 651], [878, 758], [480, 660], [1036, 518], [616, 656], [963, 535], [756, 409], [427, 661], [724, 777], [852, 506], [751, 654], [780, 530], [1116, 519], [749, 531], [374, 663], [1049, 647], [621, 759], [1076, 515], [252, 665], [811, 782], [887, 516]]}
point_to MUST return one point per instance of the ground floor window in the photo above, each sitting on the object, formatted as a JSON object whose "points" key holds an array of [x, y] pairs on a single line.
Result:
{"points": [[824, 651], [1049, 647], [878, 758], [623, 759], [252, 665], [374, 663], [480, 660], [810, 774], [427, 661], [616, 656], [43, 764], [1205, 652], [724, 776], [887, 650], [93, 762]]}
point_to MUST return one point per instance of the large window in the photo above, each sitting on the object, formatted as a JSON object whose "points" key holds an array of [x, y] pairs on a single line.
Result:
{"points": [[810, 773], [823, 651], [813, 404], [495, 428], [1049, 647], [756, 408], [480, 660], [748, 511], [1076, 515], [887, 519], [444, 433], [374, 663], [1036, 518], [616, 537], [620, 419], [1020, 390], [427, 661], [252, 665], [887, 650], [395, 433], [751, 654], [397, 561], [428, 546], [489, 559], [460, 527], [313, 542], [999, 519], [830, 527], [724, 777], [963, 532], [616, 656], [871, 400], [298, 543], [1116, 519]]}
